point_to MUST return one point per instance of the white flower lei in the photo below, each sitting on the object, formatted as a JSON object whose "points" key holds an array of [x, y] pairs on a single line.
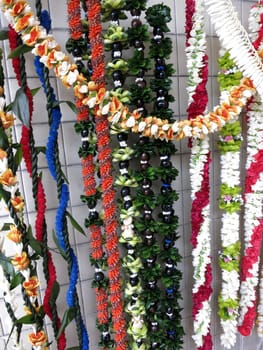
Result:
{"points": [[238, 44], [253, 207], [199, 152]]}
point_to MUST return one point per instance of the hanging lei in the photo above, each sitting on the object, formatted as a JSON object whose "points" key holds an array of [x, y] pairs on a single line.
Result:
{"points": [[165, 318], [115, 40], [104, 158], [20, 269], [52, 155], [256, 32], [77, 45], [197, 64], [230, 201], [253, 198], [137, 34]]}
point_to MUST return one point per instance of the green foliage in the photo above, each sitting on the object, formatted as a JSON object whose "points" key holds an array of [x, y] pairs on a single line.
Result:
{"points": [[112, 5], [135, 4], [162, 49], [227, 309], [21, 107], [141, 32], [115, 34], [20, 50], [68, 316], [140, 93], [137, 62], [75, 224], [158, 15]]}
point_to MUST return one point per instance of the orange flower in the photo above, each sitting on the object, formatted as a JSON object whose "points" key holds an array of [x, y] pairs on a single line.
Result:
{"points": [[115, 105], [7, 178], [14, 234], [7, 2], [18, 203], [23, 22], [21, 262], [28, 311], [38, 339], [31, 286], [31, 38], [41, 49], [3, 154], [18, 8], [7, 119]]}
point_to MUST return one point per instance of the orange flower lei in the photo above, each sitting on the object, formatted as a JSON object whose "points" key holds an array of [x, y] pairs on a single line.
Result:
{"points": [[46, 47]]}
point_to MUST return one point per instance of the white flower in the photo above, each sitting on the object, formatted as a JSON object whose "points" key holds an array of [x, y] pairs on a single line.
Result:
{"points": [[62, 68], [141, 126], [130, 122], [72, 77], [59, 56]]}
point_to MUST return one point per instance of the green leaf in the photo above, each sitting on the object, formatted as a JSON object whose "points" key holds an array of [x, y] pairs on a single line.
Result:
{"points": [[21, 107], [34, 91], [54, 292], [16, 280], [6, 226], [3, 139], [4, 34], [40, 149], [34, 243], [67, 318], [5, 195], [69, 103], [20, 50], [75, 224], [18, 158], [62, 253], [7, 265], [28, 319]]}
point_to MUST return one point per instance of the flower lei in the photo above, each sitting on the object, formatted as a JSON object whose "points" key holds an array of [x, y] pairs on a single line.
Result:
{"points": [[20, 269], [79, 49], [164, 313], [230, 201], [54, 165], [197, 64], [253, 198], [104, 158], [116, 40]]}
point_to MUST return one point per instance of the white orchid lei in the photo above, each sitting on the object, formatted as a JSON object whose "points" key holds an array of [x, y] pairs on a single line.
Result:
{"points": [[199, 176], [230, 201]]}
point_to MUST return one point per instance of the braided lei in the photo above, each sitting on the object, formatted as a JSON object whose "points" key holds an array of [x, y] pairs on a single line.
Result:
{"points": [[197, 64], [253, 198]]}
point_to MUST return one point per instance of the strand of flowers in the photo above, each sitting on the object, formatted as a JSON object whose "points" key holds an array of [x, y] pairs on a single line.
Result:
{"points": [[6, 156], [77, 46], [30, 156], [22, 256], [252, 196], [253, 220], [137, 34], [256, 34], [239, 45], [119, 115], [54, 118], [104, 158], [115, 40], [197, 64], [169, 333], [230, 200], [52, 155]]}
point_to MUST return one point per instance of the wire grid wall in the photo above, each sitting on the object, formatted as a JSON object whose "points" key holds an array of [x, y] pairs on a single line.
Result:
{"points": [[69, 144]]}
